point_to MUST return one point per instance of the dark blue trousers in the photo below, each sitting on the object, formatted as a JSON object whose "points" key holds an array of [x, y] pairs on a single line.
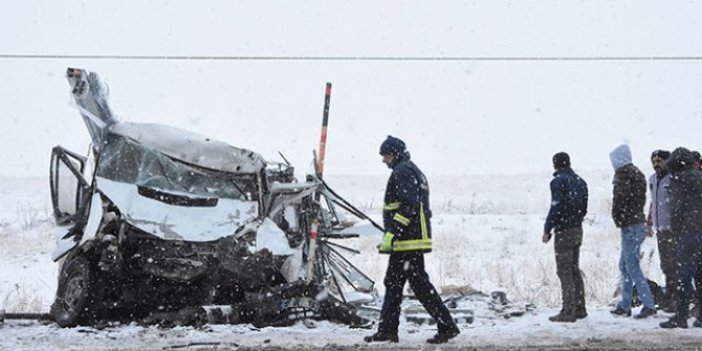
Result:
{"points": [[688, 248], [409, 266]]}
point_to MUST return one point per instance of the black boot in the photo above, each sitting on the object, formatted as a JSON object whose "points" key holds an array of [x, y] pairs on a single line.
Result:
{"points": [[646, 312], [379, 336], [620, 312], [674, 322], [580, 313], [564, 316], [444, 336]]}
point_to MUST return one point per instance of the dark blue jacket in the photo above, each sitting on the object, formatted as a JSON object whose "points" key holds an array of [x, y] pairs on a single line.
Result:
{"points": [[685, 194], [568, 201], [406, 212]]}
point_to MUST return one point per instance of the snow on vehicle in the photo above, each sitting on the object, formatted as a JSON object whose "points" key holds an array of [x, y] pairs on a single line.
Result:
{"points": [[160, 223]]}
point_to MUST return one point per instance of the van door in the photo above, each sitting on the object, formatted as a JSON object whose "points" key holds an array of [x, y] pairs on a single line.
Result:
{"points": [[70, 191]]}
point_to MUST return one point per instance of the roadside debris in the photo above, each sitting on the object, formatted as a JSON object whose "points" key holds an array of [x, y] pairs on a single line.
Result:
{"points": [[465, 303]]}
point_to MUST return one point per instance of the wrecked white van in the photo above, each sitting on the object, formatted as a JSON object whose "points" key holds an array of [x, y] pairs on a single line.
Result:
{"points": [[159, 224]]}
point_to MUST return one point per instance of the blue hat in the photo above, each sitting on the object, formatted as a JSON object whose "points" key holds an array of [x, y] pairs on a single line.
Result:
{"points": [[392, 146]]}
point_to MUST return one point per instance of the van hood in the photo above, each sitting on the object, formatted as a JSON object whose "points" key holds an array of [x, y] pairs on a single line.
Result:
{"points": [[210, 220]]}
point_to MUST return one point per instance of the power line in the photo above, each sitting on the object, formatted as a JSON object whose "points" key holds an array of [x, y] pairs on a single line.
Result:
{"points": [[348, 58]]}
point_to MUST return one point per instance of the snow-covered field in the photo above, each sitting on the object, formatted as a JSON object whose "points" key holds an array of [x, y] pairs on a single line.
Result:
{"points": [[487, 233], [473, 87]]}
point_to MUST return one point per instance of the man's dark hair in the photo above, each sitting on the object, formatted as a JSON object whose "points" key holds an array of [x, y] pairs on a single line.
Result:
{"points": [[663, 154], [561, 160]]}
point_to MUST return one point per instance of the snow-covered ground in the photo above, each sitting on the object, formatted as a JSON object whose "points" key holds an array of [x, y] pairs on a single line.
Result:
{"points": [[599, 331], [487, 233]]}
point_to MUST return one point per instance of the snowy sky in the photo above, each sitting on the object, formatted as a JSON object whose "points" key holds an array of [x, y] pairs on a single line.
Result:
{"points": [[466, 117]]}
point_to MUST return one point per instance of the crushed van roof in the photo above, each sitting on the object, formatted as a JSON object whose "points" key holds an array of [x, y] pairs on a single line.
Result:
{"points": [[190, 147]]}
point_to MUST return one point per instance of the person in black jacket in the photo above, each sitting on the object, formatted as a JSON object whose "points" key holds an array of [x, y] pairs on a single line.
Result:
{"points": [[698, 277], [406, 217], [628, 200], [565, 217], [686, 221]]}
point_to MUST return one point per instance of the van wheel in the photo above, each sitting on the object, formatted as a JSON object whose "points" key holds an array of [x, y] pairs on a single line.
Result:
{"points": [[75, 303]]}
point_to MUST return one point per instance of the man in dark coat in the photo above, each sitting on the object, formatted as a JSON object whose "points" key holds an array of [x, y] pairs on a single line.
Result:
{"points": [[406, 216], [686, 221], [568, 208], [628, 200], [698, 277]]}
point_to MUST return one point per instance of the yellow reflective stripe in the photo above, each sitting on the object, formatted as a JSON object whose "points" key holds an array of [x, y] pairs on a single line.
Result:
{"points": [[392, 206], [423, 222], [402, 219], [411, 245]]}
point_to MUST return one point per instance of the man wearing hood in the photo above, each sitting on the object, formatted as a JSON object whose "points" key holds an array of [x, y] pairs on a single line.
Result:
{"points": [[406, 216], [629, 198], [686, 222], [659, 224], [565, 217]]}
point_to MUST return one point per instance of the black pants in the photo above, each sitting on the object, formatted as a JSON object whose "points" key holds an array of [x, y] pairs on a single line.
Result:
{"points": [[666, 252], [401, 268], [689, 253], [567, 248]]}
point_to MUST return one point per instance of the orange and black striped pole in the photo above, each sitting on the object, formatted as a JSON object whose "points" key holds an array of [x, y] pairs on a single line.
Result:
{"points": [[323, 137]]}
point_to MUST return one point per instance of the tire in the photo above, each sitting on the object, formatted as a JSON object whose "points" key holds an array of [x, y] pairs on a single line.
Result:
{"points": [[75, 303]]}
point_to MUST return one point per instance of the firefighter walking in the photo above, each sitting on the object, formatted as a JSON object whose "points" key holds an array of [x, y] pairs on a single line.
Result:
{"points": [[406, 217]]}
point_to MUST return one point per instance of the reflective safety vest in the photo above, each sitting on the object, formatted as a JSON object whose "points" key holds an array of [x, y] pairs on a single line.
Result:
{"points": [[406, 213]]}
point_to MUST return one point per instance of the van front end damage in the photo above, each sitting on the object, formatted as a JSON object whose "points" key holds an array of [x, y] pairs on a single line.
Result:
{"points": [[165, 226]]}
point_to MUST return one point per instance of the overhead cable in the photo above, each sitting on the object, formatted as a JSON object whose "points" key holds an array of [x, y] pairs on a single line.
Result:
{"points": [[345, 58]]}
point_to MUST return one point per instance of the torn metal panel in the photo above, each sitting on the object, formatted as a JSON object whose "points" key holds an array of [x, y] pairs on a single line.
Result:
{"points": [[90, 95]]}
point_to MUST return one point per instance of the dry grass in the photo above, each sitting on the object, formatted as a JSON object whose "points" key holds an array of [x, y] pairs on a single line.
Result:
{"points": [[505, 253]]}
